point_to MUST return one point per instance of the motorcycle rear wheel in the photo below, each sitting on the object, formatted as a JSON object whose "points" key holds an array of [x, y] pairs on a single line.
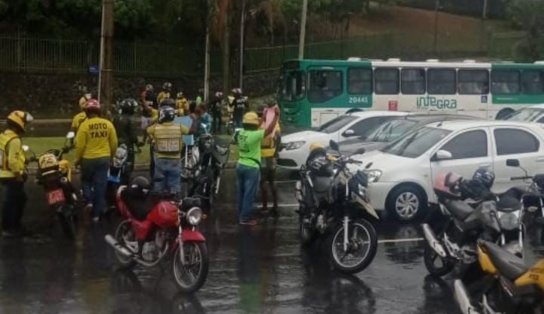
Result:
{"points": [[68, 222], [196, 256], [122, 233], [368, 247], [430, 257]]}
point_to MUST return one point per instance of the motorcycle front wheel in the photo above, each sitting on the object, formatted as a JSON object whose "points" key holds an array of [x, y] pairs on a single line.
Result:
{"points": [[191, 276], [305, 231], [68, 222], [436, 265], [361, 248], [125, 235]]}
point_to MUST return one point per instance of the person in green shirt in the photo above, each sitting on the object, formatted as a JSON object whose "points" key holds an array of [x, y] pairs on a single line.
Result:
{"points": [[248, 170]]}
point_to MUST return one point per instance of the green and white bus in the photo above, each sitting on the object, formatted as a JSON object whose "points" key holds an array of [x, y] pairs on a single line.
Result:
{"points": [[313, 92]]}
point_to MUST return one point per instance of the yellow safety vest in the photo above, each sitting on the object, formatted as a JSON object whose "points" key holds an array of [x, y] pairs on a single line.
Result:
{"points": [[6, 146], [167, 139]]}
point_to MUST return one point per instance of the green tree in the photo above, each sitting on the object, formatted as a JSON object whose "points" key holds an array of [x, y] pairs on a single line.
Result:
{"points": [[527, 15]]}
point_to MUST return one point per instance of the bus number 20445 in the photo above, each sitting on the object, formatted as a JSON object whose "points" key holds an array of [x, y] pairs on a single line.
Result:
{"points": [[358, 99]]}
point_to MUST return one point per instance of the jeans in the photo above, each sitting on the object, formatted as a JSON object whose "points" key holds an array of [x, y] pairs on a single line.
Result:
{"points": [[248, 181], [94, 182], [167, 176], [14, 204]]}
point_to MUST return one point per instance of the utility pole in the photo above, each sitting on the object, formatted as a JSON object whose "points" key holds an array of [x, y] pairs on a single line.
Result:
{"points": [[242, 35], [484, 10], [302, 39], [105, 78], [436, 7]]}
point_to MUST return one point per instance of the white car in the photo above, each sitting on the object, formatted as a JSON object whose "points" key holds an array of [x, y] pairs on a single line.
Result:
{"points": [[401, 175], [528, 114], [295, 147]]}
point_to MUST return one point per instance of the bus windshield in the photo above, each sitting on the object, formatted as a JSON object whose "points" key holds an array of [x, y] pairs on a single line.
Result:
{"points": [[336, 123], [416, 143], [390, 131], [292, 86]]}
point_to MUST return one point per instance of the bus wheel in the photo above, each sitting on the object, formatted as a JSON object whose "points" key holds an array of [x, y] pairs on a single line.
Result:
{"points": [[503, 114]]}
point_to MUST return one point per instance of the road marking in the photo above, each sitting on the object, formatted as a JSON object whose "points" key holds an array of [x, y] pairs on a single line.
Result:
{"points": [[401, 240]]}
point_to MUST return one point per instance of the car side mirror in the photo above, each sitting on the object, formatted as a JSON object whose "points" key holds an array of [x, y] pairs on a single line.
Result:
{"points": [[360, 151], [512, 163], [333, 145], [70, 135], [349, 132], [442, 155]]}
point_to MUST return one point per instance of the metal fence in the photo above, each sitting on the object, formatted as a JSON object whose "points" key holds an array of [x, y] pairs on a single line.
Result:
{"points": [[159, 59]]}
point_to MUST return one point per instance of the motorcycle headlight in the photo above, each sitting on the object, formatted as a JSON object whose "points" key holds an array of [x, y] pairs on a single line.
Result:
{"points": [[509, 221], [194, 216], [361, 190], [373, 175], [294, 145]]}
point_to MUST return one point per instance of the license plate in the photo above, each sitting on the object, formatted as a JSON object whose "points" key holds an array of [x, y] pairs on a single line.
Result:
{"points": [[55, 197]]}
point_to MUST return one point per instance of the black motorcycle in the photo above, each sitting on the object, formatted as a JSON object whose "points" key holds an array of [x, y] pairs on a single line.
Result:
{"points": [[473, 212], [205, 180], [334, 206]]}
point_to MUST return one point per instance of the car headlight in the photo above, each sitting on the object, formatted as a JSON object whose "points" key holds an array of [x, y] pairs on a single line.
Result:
{"points": [[373, 175], [509, 221], [194, 216], [294, 145]]}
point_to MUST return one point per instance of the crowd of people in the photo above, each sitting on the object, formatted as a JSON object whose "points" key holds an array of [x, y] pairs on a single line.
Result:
{"points": [[165, 121]]}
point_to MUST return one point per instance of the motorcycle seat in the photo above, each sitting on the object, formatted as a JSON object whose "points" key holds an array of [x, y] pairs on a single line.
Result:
{"points": [[459, 209], [508, 264], [508, 204], [138, 204]]}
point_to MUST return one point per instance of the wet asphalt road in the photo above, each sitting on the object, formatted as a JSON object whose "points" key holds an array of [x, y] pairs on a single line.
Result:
{"points": [[256, 270]]}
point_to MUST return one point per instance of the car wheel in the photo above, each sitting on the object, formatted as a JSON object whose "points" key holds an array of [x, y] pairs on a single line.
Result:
{"points": [[407, 203]]}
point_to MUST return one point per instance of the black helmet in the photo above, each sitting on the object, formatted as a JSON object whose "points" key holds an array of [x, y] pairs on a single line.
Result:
{"points": [[128, 106], [167, 114], [140, 185], [169, 102], [484, 176]]}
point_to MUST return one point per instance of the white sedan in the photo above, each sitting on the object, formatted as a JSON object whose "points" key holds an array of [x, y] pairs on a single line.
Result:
{"points": [[401, 175], [296, 146]]}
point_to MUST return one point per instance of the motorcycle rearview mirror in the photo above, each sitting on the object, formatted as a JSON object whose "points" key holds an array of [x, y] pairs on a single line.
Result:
{"points": [[70, 135], [512, 163], [334, 145], [369, 165]]}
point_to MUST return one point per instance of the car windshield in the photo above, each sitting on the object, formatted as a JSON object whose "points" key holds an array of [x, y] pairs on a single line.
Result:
{"points": [[292, 86], [417, 142], [336, 124], [391, 131], [526, 114]]}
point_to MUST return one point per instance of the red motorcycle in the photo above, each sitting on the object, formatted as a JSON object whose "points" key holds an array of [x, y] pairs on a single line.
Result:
{"points": [[154, 230]]}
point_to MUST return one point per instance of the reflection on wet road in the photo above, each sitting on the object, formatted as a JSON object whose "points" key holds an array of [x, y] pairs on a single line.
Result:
{"points": [[256, 270]]}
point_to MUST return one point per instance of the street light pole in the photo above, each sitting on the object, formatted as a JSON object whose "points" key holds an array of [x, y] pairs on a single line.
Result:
{"points": [[207, 54], [105, 78], [436, 7], [302, 39], [242, 35]]}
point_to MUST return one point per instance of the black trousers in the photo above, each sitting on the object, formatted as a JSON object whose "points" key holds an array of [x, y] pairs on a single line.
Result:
{"points": [[14, 204], [217, 121]]}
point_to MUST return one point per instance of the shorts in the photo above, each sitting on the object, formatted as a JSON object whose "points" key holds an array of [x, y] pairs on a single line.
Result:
{"points": [[268, 169]]}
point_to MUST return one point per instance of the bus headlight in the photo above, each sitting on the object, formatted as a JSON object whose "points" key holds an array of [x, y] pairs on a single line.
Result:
{"points": [[294, 145], [194, 216]]}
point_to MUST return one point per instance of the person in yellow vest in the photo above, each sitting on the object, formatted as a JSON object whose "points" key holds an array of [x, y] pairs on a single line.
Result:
{"points": [[96, 142], [268, 159], [12, 173], [167, 142], [182, 104], [165, 93]]}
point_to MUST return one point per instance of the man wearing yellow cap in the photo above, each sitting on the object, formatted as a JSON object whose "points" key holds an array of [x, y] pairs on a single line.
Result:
{"points": [[248, 170], [12, 173]]}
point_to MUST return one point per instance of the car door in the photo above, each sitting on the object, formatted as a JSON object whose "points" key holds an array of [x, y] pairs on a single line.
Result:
{"points": [[515, 143], [361, 127], [469, 149]]}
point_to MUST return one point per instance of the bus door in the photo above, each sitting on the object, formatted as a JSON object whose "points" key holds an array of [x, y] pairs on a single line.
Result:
{"points": [[325, 94], [473, 95]]}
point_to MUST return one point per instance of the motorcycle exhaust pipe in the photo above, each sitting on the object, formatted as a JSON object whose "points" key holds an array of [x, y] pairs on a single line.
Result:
{"points": [[118, 247], [462, 298], [433, 241]]}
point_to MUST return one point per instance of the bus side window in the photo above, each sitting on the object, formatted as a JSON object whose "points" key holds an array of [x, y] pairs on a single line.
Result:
{"points": [[324, 85], [532, 82], [359, 81], [505, 82], [386, 81], [473, 82], [441, 81], [413, 81]]}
